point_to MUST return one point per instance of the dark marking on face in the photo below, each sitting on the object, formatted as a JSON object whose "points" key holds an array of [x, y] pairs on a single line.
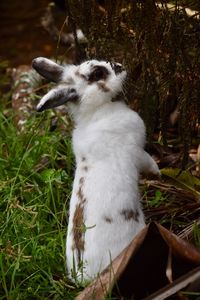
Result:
{"points": [[130, 214], [117, 68], [83, 158], [108, 219], [98, 73], [103, 87]]}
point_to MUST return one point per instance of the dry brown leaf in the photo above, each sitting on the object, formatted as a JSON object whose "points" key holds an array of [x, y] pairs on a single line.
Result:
{"points": [[140, 269], [188, 279]]}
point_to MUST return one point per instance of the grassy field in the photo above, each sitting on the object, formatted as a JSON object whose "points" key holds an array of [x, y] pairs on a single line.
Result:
{"points": [[36, 173]]}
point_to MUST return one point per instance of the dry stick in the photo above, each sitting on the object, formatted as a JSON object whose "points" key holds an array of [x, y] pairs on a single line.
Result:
{"points": [[73, 23], [177, 285], [60, 37]]}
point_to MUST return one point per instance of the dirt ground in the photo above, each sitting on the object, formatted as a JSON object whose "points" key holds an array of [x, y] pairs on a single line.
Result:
{"points": [[22, 36]]}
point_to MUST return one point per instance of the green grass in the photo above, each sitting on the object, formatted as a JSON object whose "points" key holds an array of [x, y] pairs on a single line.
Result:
{"points": [[36, 171]]}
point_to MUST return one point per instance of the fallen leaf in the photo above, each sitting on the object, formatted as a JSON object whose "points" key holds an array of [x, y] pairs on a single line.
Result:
{"points": [[183, 179], [140, 270], [177, 285]]}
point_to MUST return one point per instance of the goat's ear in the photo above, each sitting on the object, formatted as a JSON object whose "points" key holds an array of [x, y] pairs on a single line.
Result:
{"points": [[48, 69], [57, 97]]}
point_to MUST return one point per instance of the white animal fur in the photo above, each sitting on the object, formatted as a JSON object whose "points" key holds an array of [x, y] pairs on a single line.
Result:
{"points": [[108, 143]]}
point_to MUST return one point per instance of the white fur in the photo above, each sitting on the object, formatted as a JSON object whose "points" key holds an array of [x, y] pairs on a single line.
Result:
{"points": [[108, 143]]}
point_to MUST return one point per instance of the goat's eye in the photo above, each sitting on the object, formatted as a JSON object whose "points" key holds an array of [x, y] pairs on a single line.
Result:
{"points": [[98, 74]]}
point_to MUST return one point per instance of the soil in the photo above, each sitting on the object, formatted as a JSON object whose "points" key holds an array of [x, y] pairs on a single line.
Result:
{"points": [[22, 36]]}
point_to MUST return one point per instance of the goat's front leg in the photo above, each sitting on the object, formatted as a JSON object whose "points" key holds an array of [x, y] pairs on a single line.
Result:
{"points": [[148, 165]]}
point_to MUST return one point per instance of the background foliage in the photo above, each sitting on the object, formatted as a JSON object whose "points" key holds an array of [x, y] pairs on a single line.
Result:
{"points": [[160, 48]]}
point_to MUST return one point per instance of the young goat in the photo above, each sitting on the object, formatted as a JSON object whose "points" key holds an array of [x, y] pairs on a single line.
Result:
{"points": [[108, 143]]}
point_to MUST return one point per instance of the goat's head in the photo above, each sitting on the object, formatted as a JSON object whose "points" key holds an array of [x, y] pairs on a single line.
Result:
{"points": [[84, 87]]}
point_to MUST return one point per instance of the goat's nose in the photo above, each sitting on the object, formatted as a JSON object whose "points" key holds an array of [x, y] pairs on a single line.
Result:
{"points": [[117, 67]]}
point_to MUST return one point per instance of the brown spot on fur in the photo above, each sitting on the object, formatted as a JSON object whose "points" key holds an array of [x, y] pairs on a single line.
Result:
{"points": [[78, 230], [102, 86], [85, 168], [130, 214], [80, 195], [81, 180], [78, 222], [108, 219]]}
